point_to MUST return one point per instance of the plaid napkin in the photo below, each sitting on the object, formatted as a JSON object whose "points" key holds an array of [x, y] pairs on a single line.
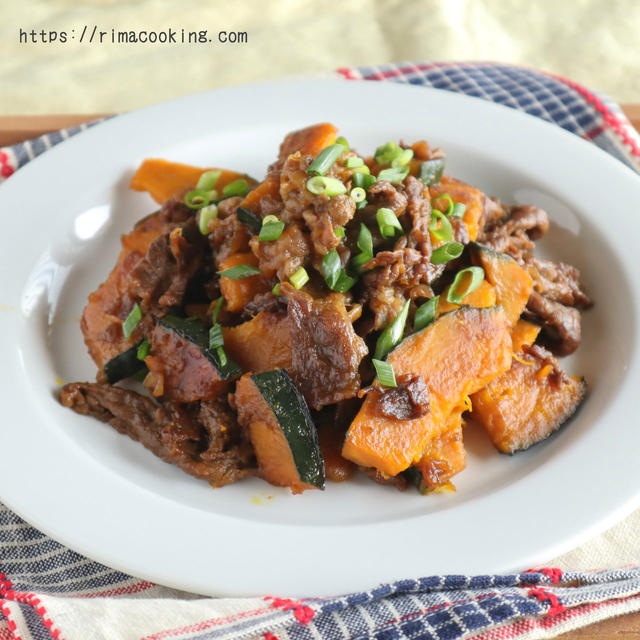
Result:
{"points": [[48, 591]]}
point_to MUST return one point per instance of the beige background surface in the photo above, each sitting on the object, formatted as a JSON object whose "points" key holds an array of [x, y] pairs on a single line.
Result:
{"points": [[596, 42]]}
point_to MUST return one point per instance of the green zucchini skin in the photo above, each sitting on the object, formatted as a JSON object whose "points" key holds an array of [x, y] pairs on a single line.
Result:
{"points": [[124, 365], [292, 413], [196, 332]]}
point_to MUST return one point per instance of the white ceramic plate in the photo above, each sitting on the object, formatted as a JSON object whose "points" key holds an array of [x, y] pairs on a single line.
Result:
{"points": [[107, 497]]}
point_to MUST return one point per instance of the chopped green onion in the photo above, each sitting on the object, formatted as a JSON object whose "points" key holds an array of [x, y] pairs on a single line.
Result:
{"points": [[387, 153], [363, 169], [394, 175], [339, 232], [446, 252], [358, 194], [345, 282], [325, 159], [207, 214], [365, 240], [403, 158], [343, 141], [276, 289], [431, 171], [440, 226], [361, 205], [386, 376], [216, 339], [299, 278], [208, 180], [353, 162], [365, 244], [321, 185], [363, 180], [197, 199], [132, 320], [476, 276], [392, 335], [249, 218], [447, 197], [425, 314], [239, 187], [331, 267], [216, 310], [222, 356], [271, 229], [143, 350], [459, 210], [388, 223], [239, 272]]}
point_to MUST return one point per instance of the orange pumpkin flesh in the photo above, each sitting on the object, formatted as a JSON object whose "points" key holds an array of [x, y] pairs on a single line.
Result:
{"points": [[238, 293], [456, 355], [164, 179]]}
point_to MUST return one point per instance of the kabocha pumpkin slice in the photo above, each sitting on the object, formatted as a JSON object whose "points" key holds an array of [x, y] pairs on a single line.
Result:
{"points": [[280, 428], [471, 197], [524, 333], [310, 140], [456, 355], [182, 367], [123, 365], [260, 344], [239, 292], [529, 402], [164, 179], [512, 283], [483, 296], [444, 457]]}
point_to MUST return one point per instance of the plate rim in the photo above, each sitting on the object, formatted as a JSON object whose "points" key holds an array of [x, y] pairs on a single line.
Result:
{"points": [[111, 126]]}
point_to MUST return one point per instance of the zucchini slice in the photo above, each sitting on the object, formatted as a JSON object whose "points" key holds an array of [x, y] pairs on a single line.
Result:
{"points": [[194, 330], [124, 365], [283, 435], [512, 283]]}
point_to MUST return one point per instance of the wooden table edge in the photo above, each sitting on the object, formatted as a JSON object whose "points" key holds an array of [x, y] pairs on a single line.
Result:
{"points": [[15, 129]]}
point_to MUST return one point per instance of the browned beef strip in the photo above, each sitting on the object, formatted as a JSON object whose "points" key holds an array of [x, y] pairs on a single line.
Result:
{"points": [[161, 277], [284, 256], [204, 440], [383, 194], [557, 288], [408, 401], [395, 277], [264, 302], [557, 281], [399, 481], [514, 233], [419, 213], [560, 324], [322, 214], [326, 351], [227, 236]]}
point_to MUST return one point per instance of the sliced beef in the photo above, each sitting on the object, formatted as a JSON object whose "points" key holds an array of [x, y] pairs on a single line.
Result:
{"points": [[395, 277], [161, 278], [514, 233], [326, 351], [557, 281], [284, 256], [264, 302], [112, 302], [227, 236], [560, 324], [419, 213], [321, 214], [383, 194], [408, 401], [399, 482], [204, 439]]}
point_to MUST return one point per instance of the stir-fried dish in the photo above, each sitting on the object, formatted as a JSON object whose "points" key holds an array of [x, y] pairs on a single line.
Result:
{"points": [[346, 313]]}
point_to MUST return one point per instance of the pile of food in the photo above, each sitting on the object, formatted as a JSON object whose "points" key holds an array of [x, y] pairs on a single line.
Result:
{"points": [[347, 312]]}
